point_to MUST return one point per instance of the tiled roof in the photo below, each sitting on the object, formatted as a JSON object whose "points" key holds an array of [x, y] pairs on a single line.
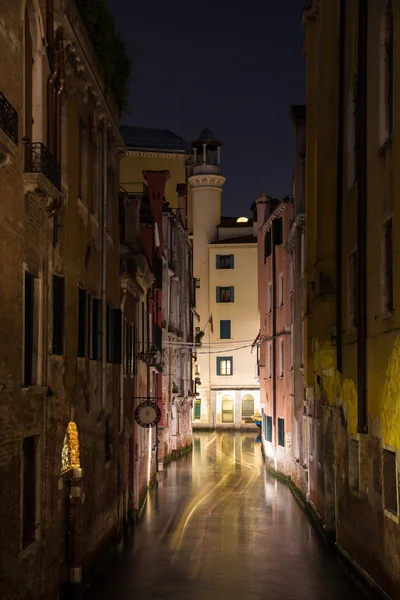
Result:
{"points": [[158, 140], [244, 239]]}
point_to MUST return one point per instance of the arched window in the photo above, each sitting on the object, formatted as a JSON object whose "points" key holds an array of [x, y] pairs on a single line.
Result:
{"points": [[247, 407], [28, 72], [70, 452], [227, 409], [387, 73]]}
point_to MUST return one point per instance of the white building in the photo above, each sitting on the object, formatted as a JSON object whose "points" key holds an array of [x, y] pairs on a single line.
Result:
{"points": [[225, 265]]}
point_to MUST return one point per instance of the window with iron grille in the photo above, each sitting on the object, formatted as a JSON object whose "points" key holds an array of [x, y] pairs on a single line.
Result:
{"points": [[281, 431], [390, 497], [29, 498], [82, 333], [58, 314]]}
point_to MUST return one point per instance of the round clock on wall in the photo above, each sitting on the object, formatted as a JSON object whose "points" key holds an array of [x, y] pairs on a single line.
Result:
{"points": [[147, 414]]}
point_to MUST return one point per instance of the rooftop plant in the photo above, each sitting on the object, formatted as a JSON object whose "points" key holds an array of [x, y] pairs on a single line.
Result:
{"points": [[109, 47]]}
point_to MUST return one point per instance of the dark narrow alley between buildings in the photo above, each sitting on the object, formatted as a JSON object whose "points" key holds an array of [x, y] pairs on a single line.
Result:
{"points": [[218, 526]]}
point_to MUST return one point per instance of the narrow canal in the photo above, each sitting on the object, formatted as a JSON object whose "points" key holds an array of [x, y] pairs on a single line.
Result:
{"points": [[217, 526]]}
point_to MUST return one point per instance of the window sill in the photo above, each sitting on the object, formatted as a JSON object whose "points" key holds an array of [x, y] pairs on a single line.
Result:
{"points": [[391, 515], [29, 550], [388, 314], [57, 357], [386, 146], [34, 389]]}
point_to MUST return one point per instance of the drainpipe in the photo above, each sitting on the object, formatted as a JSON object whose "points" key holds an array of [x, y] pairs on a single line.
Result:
{"points": [[121, 371], [339, 204], [103, 382], [273, 259], [362, 216], [60, 91], [50, 100]]}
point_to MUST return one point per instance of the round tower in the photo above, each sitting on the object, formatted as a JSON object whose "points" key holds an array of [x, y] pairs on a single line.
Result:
{"points": [[206, 182]]}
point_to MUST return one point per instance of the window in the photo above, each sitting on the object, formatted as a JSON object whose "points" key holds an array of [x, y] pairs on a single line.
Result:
{"points": [[130, 355], [107, 441], [302, 343], [225, 330], [197, 409], [291, 269], [281, 357], [267, 245], [225, 294], [387, 73], [29, 336], [390, 481], [111, 197], [247, 407], [225, 261], [83, 165], [281, 289], [224, 365], [353, 465], [281, 432], [82, 335], [227, 409], [277, 231], [269, 298], [29, 497], [352, 290], [269, 360], [114, 332], [387, 267], [303, 253], [28, 70], [268, 433], [94, 326], [58, 314]]}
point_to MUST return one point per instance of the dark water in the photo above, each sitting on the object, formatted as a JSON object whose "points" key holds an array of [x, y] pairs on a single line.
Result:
{"points": [[217, 526]]}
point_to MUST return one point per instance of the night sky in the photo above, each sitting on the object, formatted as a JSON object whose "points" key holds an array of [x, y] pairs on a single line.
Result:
{"points": [[234, 70]]}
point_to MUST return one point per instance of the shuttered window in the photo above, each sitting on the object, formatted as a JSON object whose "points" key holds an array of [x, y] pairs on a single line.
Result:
{"points": [[281, 432], [277, 231], [197, 409], [225, 261], [58, 314], [224, 365], [82, 334], [28, 328], [114, 335], [225, 329], [94, 325], [268, 434], [267, 245], [225, 294]]}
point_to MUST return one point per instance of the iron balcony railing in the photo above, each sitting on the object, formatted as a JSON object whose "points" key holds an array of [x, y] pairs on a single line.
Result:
{"points": [[8, 119], [38, 159]]}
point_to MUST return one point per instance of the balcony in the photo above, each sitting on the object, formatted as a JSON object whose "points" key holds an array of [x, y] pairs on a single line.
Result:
{"points": [[42, 174], [8, 131]]}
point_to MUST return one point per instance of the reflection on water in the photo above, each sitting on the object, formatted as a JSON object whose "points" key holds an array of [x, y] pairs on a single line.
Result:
{"points": [[217, 526]]}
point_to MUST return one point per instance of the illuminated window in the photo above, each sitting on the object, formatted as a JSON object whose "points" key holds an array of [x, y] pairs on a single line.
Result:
{"points": [[224, 365], [225, 261]]}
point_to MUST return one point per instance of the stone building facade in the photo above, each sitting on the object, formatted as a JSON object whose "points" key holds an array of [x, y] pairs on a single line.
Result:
{"points": [[61, 415], [351, 321], [178, 346], [275, 342]]}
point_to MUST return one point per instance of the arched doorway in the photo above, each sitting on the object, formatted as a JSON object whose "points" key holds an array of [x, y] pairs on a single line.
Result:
{"points": [[247, 408], [227, 409]]}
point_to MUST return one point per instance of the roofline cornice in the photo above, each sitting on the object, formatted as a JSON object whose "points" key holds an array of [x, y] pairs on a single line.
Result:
{"points": [[233, 245], [150, 154]]}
